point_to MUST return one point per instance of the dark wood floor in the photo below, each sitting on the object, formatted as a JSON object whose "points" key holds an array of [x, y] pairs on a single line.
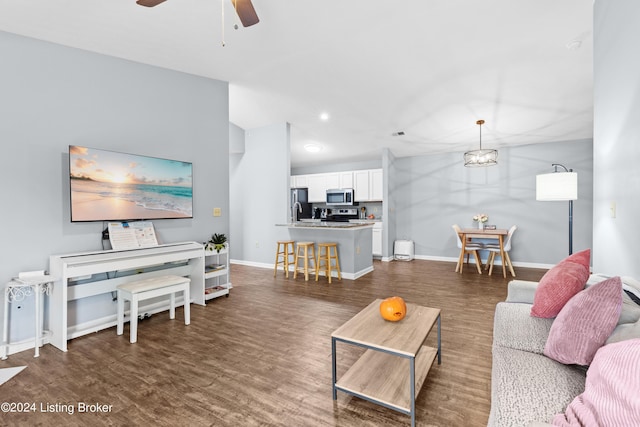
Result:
{"points": [[262, 357]]}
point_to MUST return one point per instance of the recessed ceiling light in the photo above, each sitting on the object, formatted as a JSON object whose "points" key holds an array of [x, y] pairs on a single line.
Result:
{"points": [[313, 148], [324, 117]]}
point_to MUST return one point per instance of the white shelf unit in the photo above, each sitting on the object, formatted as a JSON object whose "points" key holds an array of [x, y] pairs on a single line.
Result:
{"points": [[217, 281]]}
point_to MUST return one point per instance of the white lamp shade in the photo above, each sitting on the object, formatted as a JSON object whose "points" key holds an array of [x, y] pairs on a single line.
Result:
{"points": [[557, 186]]}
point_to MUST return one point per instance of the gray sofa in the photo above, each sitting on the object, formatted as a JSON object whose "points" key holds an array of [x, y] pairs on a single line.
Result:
{"points": [[528, 388]]}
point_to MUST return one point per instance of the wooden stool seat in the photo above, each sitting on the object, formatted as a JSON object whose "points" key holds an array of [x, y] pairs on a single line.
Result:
{"points": [[324, 260], [284, 248], [307, 252]]}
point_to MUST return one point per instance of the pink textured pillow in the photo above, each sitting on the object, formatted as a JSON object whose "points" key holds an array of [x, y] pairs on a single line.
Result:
{"points": [[610, 395], [560, 283], [585, 323]]}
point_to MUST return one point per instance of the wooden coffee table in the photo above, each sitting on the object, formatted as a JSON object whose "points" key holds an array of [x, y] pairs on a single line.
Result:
{"points": [[392, 370]]}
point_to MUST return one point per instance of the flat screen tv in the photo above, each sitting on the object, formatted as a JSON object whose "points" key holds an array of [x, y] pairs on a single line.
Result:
{"points": [[111, 186]]}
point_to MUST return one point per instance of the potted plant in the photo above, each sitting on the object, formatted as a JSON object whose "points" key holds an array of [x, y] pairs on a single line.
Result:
{"points": [[217, 242]]}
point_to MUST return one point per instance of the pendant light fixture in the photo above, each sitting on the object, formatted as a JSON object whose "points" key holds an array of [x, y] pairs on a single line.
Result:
{"points": [[476, 158]]}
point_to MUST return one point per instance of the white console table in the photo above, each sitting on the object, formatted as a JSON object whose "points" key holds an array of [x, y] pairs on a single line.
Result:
{"points": [[183, 259]]}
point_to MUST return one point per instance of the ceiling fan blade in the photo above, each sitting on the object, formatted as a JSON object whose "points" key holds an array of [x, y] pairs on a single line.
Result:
{"points": [[149, 3], [246, 12]]}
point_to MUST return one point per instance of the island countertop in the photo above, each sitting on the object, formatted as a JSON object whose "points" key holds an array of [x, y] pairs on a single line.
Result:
{"points": [[354, 240]]}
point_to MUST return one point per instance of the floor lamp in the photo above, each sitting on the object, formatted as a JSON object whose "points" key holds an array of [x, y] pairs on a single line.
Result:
{"points": [[559, 186]]}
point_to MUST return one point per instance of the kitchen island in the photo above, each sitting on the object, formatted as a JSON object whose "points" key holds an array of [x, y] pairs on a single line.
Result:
{"points": [[353, 239]]}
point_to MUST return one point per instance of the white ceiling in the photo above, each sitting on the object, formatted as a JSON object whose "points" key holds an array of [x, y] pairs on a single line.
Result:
{"points": [[430, 68]]}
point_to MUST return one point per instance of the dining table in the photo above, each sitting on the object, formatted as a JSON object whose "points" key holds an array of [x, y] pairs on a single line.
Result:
{"points": [[476, 233]]}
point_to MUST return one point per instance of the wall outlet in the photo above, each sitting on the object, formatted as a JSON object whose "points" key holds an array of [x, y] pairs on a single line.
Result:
{"points": [[357, 249], [217, 212]]}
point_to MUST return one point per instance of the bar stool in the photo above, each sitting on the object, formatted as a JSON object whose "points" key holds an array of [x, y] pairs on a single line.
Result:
{"points": [[284, 248], [325, 257], [26, 284], [306, 251]]}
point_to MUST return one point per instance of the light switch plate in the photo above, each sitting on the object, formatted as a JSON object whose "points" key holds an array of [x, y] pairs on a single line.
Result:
{"points": [[217, 212]]}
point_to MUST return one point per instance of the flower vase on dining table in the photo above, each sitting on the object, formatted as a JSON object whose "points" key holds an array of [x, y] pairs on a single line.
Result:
{"points": [[480, 225]]}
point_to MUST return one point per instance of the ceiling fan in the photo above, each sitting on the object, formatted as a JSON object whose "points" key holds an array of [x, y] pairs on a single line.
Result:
{"points": [[244, 9]]}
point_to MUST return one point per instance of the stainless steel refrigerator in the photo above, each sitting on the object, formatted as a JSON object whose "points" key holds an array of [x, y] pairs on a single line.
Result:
{"points": [[303, 208]]}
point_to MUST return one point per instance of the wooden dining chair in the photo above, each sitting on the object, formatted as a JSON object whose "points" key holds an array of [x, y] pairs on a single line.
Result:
{"points": [[469, 248], [494, 249]]}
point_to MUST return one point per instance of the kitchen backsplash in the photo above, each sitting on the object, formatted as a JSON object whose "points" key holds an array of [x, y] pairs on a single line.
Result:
{"points": [[371, 208]]}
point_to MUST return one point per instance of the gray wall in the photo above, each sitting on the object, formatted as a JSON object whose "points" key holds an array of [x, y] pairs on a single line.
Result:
{"points": [[53, 96], [433, 192], [259, 194], [616, 136], [426, 195], [389, 183]]}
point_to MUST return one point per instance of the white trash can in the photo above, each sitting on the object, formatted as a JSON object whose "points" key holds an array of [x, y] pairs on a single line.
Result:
{"points": [[403, 250]]}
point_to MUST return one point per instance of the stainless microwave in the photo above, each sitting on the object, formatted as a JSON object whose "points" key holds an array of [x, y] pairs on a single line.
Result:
{"points": [[340, 197]]}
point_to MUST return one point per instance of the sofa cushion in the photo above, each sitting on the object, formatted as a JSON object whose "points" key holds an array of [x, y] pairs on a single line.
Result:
{"points": [[513, 327], [585, 323], [521, 291], [561, 283], [630, 297], [625, 331], [528, 387], [610, 397]]}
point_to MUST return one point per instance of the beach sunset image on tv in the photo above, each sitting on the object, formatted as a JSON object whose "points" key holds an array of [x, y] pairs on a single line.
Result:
{"points": [[112, 186]]}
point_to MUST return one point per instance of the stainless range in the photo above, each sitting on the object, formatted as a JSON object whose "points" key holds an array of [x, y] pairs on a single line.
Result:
{"points": [[341, 214]]}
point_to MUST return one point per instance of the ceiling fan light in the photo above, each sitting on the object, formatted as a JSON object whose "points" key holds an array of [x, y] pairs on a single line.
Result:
{"points": [[246, 12]]}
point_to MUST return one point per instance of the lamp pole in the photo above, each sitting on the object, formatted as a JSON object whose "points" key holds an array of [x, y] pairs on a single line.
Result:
{"points": [[570, 209]]}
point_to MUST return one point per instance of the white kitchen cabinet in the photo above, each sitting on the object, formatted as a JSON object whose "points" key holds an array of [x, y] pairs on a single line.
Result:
{"points": [[317, 188], [216, 274], [346, 179], [376, 244], [368, 185], [361, 185], [375, 184], [318, 184], [299, 181], [331, 180]]}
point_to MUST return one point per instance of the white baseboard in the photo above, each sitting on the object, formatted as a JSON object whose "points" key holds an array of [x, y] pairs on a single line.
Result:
{"points": [[389, 259], [472, 261], [348, 276]]}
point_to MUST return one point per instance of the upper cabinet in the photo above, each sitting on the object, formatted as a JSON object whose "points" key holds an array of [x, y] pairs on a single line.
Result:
{"points": [[366, 183], [375, 184], [346, 179], [299, 181], [317, 188]]}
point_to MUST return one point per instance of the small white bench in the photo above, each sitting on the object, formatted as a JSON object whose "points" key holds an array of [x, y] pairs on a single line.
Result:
{"points": [[140, 290]]}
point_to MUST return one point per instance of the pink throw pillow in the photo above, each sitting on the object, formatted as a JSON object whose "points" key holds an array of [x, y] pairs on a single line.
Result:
{"points": [[561, 283], [611, 396], [585, 323]]}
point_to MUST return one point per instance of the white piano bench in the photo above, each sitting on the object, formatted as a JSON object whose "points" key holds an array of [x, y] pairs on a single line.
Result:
{"points": [[141, 290]]}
